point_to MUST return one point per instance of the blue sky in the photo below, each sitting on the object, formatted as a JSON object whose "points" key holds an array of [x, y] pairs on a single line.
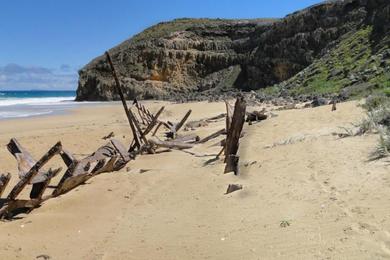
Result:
{"points": [[45, 42]]}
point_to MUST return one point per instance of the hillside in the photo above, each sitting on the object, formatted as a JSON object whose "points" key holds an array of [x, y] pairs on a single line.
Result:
{"points": [[336, 47]]}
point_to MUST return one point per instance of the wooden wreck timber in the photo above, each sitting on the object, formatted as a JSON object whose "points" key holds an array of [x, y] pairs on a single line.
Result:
{"points": [[11, 202], [25, 163], [108, 158], [130, 117], [175, 127], [234, 131], [111, 157]]}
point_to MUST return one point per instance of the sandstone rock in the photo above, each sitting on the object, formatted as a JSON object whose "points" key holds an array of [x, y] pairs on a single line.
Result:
{"points": [[194, 56]]}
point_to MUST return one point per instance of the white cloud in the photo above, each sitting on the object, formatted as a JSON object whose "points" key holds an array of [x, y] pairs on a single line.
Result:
{"points": [[17, 77]]}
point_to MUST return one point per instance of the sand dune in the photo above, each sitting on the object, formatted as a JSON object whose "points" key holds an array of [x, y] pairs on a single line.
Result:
{"points": [[307, 194]]}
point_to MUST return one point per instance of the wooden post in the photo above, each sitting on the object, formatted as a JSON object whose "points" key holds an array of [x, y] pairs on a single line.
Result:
{"points": [[179, 125], [229, 114], [233, 136], [129, 114]]}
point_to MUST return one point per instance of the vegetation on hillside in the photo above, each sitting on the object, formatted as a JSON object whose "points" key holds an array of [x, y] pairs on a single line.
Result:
{"points": [[353, 67]]}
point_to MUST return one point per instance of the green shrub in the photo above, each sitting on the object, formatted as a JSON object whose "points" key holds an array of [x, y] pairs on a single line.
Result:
{"points": [[375, 102], [383, 148]]}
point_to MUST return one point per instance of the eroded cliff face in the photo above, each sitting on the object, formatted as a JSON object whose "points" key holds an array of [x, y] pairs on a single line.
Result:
{"points": [[188, 56]]}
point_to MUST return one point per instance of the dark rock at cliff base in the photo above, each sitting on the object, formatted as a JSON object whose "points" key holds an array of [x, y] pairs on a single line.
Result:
{"points": [[319, 50]]}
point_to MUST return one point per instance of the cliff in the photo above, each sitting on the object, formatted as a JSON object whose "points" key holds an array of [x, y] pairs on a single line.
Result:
{"points": [[301, 54]]}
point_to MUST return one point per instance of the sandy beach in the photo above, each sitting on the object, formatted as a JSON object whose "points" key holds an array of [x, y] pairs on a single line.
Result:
{"points": [[306, 193]]}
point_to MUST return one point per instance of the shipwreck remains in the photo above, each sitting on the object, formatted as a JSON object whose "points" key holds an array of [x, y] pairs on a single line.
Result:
{"points": [[114, 156]]}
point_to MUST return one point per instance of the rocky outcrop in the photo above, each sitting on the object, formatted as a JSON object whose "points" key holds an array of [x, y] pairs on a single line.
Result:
{"points": [[201, 56]]}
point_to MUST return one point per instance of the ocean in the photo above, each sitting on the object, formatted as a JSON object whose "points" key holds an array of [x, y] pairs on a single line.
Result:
{"points": [[21, 104]]}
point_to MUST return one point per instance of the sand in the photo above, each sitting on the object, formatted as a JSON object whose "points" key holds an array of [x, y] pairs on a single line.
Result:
{"points": [[307, 194]]}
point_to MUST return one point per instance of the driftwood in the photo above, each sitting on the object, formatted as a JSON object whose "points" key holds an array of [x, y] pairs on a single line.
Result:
{"points": [[174, 128], [212, 136], [192, 138], [170, 144], [233, 136], [12, 204], [110, 135], [34, 171], [153, 122], [25, 163], [110, 157], [204, 122], [135, 128]]}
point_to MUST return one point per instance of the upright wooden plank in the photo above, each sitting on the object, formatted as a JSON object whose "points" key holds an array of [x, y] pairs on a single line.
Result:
{"points": [[22, 156], [229, 115], [67, 157], [129, 114], [234, 133], [34, 171], [179, 125]]}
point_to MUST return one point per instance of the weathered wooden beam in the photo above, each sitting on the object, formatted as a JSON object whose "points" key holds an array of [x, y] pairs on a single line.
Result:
{"points": [[158, 127], [147, 113], [140, 113], [125, 155], [216, 118], [110, 157], [4, 180], [229, 115], [26, 161], [67, 157], [220, 153], [39, 188], [9, 208], [233, 135], [23, 157], [110, 135], [170, 144], [153, 122], [232, 164], [191, 138], [34, 171], [129, 114], [212, 136], [179, 125]]}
